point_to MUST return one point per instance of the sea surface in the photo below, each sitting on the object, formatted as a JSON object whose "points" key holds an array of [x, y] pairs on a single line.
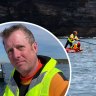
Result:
{"points": [[83, 68]]}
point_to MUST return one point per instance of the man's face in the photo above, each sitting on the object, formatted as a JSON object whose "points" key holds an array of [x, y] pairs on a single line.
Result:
{"points": [[21, 53], [75, 33]]}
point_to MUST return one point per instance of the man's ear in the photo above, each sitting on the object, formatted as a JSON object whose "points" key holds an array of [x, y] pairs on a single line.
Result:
{"points": [[35, 47]]}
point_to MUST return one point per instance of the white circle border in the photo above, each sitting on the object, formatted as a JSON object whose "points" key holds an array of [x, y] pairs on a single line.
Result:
{"points": [[21, 22]]}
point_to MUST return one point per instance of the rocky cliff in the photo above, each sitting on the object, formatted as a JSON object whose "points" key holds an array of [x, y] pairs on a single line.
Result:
{"points": [[60, 17]]}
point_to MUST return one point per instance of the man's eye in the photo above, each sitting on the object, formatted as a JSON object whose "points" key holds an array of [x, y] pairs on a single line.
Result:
{"points": [[10, 51], [20, 47]]}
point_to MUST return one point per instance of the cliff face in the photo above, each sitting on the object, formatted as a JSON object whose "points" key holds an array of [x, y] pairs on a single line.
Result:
{"points": [[61, 17]]}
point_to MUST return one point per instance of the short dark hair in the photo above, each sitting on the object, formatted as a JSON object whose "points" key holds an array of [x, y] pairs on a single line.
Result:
{"points": [[8, 31]]}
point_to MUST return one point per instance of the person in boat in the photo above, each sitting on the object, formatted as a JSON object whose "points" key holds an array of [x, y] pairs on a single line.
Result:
{"points": [[33, 75], [71, 39], [77, 46]]}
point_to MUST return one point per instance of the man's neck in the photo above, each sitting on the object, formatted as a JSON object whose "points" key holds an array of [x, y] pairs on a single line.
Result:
{"points": [[32, 72]]}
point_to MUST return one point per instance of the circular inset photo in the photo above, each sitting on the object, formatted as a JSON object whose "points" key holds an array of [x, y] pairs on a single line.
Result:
{"points": [[33, 62]]}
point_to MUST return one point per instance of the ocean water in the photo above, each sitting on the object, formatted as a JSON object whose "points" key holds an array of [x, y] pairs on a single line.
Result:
{"points": [[83, 67]]}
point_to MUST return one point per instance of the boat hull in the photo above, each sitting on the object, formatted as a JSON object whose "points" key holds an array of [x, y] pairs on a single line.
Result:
{"points": [[70, 50]]}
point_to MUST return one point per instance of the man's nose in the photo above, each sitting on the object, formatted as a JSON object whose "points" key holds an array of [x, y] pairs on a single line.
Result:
{"points": [[16, 53]]}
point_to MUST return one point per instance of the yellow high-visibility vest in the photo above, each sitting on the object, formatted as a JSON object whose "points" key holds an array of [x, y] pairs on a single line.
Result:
{"points": [[39, 86], [73, 36]]}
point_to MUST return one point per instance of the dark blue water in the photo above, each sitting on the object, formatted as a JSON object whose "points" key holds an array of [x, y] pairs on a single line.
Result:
{"points": [[83, 64]]}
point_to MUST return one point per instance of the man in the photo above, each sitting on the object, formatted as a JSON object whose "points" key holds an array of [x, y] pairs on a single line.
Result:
{"points": [[32, 75], [71, 39]]}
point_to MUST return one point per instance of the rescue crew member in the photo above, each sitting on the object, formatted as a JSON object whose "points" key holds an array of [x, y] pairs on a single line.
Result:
{"points": [[71, 39], [33, 75]]}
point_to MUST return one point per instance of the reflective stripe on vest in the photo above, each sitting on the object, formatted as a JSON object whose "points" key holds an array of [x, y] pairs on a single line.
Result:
{"points": [[42, 89], [39, 86]]}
